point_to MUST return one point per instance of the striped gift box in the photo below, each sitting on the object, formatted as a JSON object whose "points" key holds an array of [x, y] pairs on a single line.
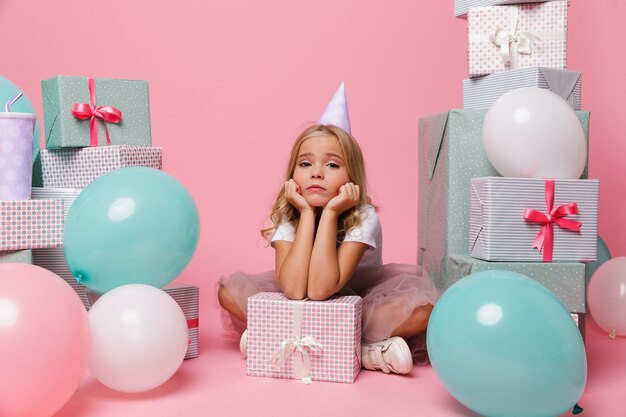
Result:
{"points": [[538, 31], [187, 296], [461, 7], [78, 167], [499, 231], [327, 332], [54, 259], [482, 92]]}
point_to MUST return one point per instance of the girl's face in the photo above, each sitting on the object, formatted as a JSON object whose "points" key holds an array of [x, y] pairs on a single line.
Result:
{"points": [[320, 170]]}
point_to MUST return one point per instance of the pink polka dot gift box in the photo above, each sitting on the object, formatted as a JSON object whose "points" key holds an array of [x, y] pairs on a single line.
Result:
{"points": [[503, 38], [304, 339], [31, 224], [78, 167]]}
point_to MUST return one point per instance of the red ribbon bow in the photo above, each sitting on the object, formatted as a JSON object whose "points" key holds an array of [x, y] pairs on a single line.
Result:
{"points": [[108, 114], [545, 237]]}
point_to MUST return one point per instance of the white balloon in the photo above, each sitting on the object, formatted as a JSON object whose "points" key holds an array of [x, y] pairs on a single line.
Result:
{"points": [[139, 338], [532, 132], [607, 296]]}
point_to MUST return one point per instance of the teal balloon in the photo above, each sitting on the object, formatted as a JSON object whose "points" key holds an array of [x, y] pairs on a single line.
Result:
{"points": [[505, 346], [135, 225], [8, 90], [603, 255]]}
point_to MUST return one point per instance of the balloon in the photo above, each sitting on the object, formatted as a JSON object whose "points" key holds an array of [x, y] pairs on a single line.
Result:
{"points": [[8, 90], [503, 345], [532, 132], [140, 338], [607, 296], [44, 341], [135, 225]]}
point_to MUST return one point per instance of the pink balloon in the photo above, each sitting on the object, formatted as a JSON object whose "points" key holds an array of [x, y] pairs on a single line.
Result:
{"points": [[607, 296], [533, 132], [44, 341]]}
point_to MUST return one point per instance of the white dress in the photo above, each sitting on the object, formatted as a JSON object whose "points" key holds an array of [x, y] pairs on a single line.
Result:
{"points": [[390, 292]]}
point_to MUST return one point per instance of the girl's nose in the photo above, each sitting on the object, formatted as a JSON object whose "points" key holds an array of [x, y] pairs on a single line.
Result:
{"points": [[317, 175]]}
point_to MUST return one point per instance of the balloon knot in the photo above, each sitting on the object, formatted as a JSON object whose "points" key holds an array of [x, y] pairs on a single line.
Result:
{"points": [[613, 334], [577, 409], [78, 278]]}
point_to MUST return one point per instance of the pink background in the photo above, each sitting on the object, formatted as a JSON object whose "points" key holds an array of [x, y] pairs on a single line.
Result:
{"points": [[231, 84]]}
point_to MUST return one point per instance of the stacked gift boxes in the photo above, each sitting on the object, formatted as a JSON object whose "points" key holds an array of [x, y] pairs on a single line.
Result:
{"points": [[469, 215], [94, 126]]}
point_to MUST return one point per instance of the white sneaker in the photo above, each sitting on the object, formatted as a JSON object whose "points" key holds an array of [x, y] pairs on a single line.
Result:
{"points": [[391, 355], [243, 344]]}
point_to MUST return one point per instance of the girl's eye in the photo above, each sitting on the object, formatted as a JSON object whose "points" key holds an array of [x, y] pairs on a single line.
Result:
{"points": [[304, 164], [332, 165]]}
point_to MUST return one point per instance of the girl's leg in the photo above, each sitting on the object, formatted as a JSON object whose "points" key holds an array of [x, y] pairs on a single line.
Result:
{"points": [[415, 324], [229, 304]]}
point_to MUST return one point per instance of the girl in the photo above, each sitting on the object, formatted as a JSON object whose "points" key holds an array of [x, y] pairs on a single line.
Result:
{"points": [[327, 239]]}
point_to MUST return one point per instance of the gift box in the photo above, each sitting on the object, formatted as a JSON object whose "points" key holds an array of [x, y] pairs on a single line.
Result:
{"points": [[304, 339], [30, 224], [461, 7], [509, 219], [566, 280], [187, 297], [80, 111], [77, 168], [18, 256], [502, 38], [53, 259], [451, 153], [482, 92]]}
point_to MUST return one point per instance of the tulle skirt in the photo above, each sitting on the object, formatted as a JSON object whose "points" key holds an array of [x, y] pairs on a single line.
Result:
{"points": [[390, 294]]}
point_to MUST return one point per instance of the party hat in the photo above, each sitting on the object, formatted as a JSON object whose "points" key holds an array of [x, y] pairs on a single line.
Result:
{"points": [[336, 112]]}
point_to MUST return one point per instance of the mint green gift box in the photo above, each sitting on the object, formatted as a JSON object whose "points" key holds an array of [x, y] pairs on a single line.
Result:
{"points": [[566, 280], [18, 256], [451, 153], [64, 130]]}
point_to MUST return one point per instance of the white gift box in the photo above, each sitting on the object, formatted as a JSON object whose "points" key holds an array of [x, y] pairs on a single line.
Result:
{"points": [[482, 92], [509, 219], [503, 38], [461, 7]]}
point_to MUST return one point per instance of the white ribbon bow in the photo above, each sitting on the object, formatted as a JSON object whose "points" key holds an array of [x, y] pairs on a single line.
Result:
{"points": [[302, 360], [511, 42], [300, 347]]}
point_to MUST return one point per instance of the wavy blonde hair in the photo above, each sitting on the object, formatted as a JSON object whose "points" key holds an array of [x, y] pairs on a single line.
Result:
{"points": [[283, 211]]}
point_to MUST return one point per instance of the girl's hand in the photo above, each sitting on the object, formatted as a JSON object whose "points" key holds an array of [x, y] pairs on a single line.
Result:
{"points": [[294, 197], [348, 197]]}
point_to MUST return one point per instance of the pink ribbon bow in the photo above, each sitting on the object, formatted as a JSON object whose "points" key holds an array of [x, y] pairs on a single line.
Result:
{"points": [[545, 237], [108, 114]]}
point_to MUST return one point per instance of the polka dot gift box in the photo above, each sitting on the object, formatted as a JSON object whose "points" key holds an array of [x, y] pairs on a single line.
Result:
{"points": [[16, 155], [78, 167], [86, 111], [502, 38], [30, 224], [304, 339]]}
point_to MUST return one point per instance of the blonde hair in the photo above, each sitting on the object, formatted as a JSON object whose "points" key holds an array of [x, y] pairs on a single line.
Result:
{"points": [[284, 212]]}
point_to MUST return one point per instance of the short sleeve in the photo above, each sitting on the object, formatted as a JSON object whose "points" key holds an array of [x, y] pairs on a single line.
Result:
{"points": [[285, 231], [369, 231]]}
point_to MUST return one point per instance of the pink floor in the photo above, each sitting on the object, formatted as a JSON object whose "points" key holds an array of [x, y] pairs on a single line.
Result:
{"points": [[215, 384]]}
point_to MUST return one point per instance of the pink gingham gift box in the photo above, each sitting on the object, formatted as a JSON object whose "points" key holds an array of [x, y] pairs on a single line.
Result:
{"points": [[502, 38], [78, 167], [304, 339], [31, 224]]}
